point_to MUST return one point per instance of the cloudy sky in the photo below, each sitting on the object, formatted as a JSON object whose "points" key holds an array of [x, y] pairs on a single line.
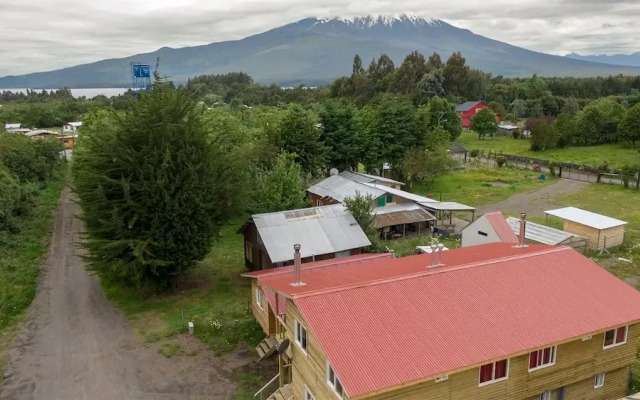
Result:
{"points": [[38, 35]]}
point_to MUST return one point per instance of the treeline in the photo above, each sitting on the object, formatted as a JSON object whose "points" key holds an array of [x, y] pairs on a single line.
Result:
{"points": [[34, 96]]}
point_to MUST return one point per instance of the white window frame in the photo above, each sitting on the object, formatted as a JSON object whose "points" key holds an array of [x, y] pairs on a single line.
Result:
{"points": [[332, 384], [442, 378], [615, 335], [259, 297], [319, 203], [308, 395], [546, 395], [493, 371], [298, 329], [598, 381], [554, 353]]}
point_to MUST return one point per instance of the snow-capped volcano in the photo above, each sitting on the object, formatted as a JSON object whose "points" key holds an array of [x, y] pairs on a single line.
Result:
{"points": [[369, 21]]}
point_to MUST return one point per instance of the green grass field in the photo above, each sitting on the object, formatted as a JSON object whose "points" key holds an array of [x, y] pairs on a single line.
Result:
{"points": [[479, 186], [616, 154]]}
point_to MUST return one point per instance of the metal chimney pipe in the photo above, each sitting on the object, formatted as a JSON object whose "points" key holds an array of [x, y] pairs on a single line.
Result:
{"points": [[433, 256], [297, 262], [523, 227], [440, 247]]}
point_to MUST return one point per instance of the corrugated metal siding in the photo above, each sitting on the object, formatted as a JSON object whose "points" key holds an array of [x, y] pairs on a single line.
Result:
{"points": [[539, 233], [392, 332]]}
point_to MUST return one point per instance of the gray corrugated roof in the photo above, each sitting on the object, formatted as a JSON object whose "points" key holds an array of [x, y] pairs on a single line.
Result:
{"points": [[319, 230], [447, 206], [467, 105], [539, 233], [366, 178], [401, 193], [339, 188], [456, 147]]}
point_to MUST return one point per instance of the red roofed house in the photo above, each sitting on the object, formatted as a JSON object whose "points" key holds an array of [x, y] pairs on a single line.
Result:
{"points": [[490, 228], [493, 321], [467, 110]]}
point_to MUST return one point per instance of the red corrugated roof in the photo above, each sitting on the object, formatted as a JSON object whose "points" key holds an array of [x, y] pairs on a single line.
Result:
{"points": [[381, 333], [502, 228]]}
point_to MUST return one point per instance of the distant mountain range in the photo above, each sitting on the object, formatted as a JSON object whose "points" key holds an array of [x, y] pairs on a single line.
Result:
{"points": [[316, 51], [632, 60]]}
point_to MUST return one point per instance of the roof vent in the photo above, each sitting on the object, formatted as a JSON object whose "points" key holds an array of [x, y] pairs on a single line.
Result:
{"points": [[523, 226], [440, 248], [333, 172], [297, 263], [434, 261]]}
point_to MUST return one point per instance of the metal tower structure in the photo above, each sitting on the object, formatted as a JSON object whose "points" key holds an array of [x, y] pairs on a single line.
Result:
{"points": [[140, 76]]}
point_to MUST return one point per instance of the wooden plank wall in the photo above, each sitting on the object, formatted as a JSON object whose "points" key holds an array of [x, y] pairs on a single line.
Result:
{"points": [[261, 314], [615, 236]]}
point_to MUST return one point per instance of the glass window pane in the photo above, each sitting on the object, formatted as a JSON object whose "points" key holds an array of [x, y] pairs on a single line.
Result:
{"points": [[533, 360], [485, 373], [501, 369], [620, 334], [608, 337]]}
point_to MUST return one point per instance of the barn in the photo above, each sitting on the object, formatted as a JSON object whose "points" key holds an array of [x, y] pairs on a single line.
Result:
{"points": [[603, 232], [467, 110]]}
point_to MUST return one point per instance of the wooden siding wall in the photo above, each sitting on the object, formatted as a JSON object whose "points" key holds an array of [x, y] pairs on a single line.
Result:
{"points": [[261, 314], [615, 236], [325, 200], [308, 369], [615, 387]]}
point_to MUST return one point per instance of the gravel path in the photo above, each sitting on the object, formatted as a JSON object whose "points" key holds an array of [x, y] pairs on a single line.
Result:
{"points": [[534, 202], [75, 345]]}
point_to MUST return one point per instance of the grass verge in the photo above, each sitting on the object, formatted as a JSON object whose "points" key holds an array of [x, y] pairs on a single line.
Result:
{"points": [[617, 155]]}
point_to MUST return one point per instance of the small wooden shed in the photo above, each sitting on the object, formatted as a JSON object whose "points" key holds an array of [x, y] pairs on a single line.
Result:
{"points": [[603, 232]]}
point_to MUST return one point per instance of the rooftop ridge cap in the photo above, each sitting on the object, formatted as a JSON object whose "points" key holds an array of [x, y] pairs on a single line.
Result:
{"points": [[426, 272]]}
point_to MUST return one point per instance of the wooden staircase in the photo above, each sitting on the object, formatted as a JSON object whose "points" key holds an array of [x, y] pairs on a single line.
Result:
{"points": [[266, 348], [284, 393]]}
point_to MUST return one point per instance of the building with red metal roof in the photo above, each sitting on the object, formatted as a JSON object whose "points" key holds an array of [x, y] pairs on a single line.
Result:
{"points": [[489, 228], [492, 321]]}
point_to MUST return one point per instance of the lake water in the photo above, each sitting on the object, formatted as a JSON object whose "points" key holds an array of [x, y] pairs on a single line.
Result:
{"points": [[89, 92]]}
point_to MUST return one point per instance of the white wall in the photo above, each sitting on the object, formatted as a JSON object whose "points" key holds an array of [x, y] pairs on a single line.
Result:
{"points": [[471, 235]]}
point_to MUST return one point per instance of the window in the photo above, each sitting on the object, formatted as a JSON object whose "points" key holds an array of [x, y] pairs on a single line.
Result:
{"points": [[561, 393], [301, 336], [442, 378], [343, 254], [546, 395], [318, 203], [542, 358], [494, 372], [248, 251], [259, 295], [389, 198], [598, 381], [483, 233], [308, 395], [615, 337], [381, 202], [333, 381]]}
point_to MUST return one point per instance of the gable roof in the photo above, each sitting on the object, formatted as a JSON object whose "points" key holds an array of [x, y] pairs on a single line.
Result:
{"points": [[339, 188], [540, 233], [404, 194], [456, 148], [587, 218], [41, 132], [319, 230], [366, 178], [74, 124], [501, 227], [464, 107], [487, 303]]}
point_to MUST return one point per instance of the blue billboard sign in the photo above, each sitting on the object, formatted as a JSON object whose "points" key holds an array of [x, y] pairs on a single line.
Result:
{"points": [[141, 71]]}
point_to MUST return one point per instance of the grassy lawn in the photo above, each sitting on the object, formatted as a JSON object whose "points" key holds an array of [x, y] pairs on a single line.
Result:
{"points": [[213, 296], [479, 186], [616, 154]]}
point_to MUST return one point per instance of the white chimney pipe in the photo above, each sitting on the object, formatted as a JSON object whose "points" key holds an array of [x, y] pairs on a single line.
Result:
{"points": [[523, 227], [433, 256], [440, 247], [297, 264]]}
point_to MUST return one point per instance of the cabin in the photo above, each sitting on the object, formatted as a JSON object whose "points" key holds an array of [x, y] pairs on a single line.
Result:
{"points": [[324, 232], [489, 228], [68, 141], [467, 110], [602, 232], [441, 326], [399, 214], [71, 127]]}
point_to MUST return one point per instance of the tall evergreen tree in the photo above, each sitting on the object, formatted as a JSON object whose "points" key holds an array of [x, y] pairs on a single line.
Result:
{"points": [[299, 135]]}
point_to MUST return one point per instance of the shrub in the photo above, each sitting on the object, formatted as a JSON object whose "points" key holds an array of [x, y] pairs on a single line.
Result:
{"points": [[475, 153], [553, 166], [516, 133], [501, 160]]}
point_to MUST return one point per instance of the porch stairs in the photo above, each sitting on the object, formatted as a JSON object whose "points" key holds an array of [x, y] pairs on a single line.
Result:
{"points": [[266, 348], [284, 393]]}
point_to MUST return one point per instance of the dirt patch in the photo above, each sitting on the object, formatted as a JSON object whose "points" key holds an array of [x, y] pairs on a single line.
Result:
{"points": [[534, 202], [75, 345]]}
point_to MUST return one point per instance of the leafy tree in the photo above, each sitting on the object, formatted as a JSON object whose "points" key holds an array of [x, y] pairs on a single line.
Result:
{"points": [[9, 197], [361, 207], [341, 136], [629, 128], [30, 160], [357, 66], [441, 113], [484, 123], [543, 134], [281, 187], [410, 72], [565, 127], [424, 166], [430, 85], [456, 73], [434, 62], [298, 134], [598, 122], [155, 184]]}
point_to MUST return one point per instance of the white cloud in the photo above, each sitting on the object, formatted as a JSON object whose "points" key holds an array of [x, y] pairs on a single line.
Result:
{"points": [[51, 34]]}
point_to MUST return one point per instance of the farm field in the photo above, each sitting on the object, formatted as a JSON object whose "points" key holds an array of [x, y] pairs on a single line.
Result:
{"points": [[616, 155]]}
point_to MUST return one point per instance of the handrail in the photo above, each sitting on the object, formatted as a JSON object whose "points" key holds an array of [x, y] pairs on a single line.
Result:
{"points": [[265, 386]]}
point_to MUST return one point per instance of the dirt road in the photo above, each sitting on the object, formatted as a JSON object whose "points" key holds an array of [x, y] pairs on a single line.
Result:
{"points": [[75, 345], [534, 202]]}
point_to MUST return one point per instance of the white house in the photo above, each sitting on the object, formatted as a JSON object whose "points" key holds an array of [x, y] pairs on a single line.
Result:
{"points": [[12, 127], [71, 127], [490, 228]]}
